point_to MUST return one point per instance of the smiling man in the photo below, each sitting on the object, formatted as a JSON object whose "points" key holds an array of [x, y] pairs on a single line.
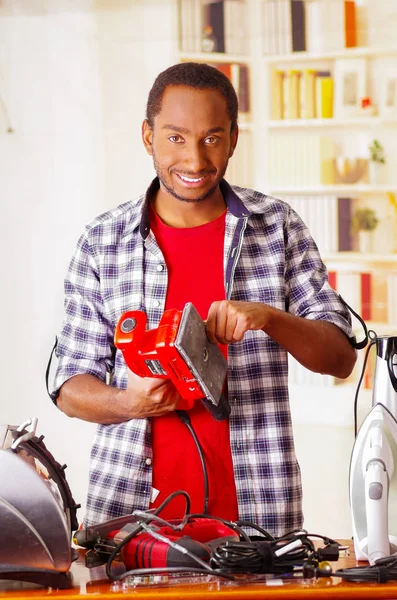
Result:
{"points": [[251, 268]]}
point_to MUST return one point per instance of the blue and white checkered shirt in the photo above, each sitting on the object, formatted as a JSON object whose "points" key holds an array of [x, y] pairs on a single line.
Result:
{"points": [[269, 257]]}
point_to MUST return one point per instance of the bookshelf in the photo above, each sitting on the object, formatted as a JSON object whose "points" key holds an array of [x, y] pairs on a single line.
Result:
{"points": [[269, 156], [352, 122], [334, 189]]}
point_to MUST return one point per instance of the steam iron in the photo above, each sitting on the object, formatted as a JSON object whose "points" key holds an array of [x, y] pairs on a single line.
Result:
{"points": [[37, 510], [373, 466]]}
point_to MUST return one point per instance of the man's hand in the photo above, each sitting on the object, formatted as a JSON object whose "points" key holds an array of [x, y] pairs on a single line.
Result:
{"points": [[150, 396], [228, 321]]}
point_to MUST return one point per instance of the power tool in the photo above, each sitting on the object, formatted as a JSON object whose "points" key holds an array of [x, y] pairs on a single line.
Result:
{"points": [[37, 510], [149, 548], [179, 350], [373, 477]]}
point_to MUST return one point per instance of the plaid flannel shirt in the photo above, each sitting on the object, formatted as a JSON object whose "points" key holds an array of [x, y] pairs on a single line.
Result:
{"points": [[269, 257]]}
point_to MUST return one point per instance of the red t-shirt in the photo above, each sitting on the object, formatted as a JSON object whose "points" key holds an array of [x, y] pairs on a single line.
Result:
{"points": [[194, 258]]}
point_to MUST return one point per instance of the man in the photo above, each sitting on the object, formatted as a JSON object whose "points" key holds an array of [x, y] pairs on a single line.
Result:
{"points": [[251, 268]]}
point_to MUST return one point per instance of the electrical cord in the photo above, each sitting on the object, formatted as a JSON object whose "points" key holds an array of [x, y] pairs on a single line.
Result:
{"points": [[288, 553], [384, 569], [373, 337], [138, 527], [281, 555], [184, 417]]}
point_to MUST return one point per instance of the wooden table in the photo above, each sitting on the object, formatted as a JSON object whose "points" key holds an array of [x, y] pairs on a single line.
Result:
{"points": [[93, 582]]}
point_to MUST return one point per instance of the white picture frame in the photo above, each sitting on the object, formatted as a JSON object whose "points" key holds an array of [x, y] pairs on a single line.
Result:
{"points": [[388, 91], [350, 86]]}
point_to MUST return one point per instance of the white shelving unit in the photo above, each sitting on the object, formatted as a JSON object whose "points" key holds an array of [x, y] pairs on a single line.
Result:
{"points": [[358, 52], [338, 189], [325, 123], [262, 131], [321, 413]]}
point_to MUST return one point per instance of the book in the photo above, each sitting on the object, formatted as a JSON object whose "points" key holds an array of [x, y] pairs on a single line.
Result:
{"points": [[350, 23], [243, 89], [214, 18], [239, 77], [298, 25], [324, 94], [355, 289], [225, 68], [291, 94], [307, 94], [344, 217], [284, 27], [330, 25], [276, 91], [235, 26], [319, 214]]}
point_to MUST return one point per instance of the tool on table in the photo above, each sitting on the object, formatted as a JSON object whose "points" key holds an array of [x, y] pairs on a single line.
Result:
{"points": [[148, 545], [373, 472], [155, 546], [179, 350], [37, 510]]}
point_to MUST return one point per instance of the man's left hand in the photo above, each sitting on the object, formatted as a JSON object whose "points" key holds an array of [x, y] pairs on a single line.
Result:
{"points": [[228, 320]]}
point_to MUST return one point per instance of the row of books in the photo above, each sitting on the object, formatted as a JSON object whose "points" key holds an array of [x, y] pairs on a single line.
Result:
{"points": [[239, 76], [302, 160], [301, 94], [313, 26], [213, 26], [356, 289], [376, 302], [328, 219]]}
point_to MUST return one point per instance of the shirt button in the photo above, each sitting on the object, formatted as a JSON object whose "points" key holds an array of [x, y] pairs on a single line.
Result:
{"points": [[148, 461], [156, 302], [160, 267]]}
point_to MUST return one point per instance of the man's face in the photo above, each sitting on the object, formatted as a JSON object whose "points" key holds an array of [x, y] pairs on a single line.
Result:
{"points": [[190, 142]]}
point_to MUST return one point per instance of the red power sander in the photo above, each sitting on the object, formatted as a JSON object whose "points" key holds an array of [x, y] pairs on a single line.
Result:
{"points": [[199, 535], [179, 350]]}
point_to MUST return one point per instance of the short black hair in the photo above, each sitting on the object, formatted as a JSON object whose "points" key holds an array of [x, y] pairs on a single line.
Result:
{"points": [[196, 75]]}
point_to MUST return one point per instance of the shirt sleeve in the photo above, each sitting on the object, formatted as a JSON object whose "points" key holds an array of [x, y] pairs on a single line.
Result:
{"points": [[85, 344], [308, 291]]}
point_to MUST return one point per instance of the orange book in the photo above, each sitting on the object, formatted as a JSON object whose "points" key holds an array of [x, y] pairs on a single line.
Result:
{"points": [[350, 24], [226, 69]]}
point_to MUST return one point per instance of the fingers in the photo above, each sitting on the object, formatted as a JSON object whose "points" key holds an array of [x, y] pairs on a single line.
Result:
{"points": [[222, 323], [228, 321], [151, 396]]}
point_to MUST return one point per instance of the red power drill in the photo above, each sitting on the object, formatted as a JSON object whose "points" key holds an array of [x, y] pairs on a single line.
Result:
{"points": [[198, 535], [179, 350]]}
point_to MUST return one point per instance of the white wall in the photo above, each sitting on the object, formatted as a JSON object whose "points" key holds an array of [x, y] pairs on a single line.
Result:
{"points": [[74, 76]]}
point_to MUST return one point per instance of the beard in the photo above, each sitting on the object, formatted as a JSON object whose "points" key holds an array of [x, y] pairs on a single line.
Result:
{"points": [[161, 175]]}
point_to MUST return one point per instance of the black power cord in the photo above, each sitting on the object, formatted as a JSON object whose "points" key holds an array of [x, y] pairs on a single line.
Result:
{"points": [[373, 337], [384, 569], [294, 550], [184, 417], [138, 527]]}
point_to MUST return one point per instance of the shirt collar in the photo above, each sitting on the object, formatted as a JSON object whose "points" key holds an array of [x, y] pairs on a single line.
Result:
{"points": [[233, 202]]}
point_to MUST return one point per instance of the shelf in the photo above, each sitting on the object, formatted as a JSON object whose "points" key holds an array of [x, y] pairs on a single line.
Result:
{"points": [[334, 189], [363, 51], [352, 122], [360, 258], [213, 57]]}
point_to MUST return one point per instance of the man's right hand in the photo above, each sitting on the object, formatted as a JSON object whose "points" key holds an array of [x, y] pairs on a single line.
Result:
{"points": [[150, 396], [87, 397]]}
